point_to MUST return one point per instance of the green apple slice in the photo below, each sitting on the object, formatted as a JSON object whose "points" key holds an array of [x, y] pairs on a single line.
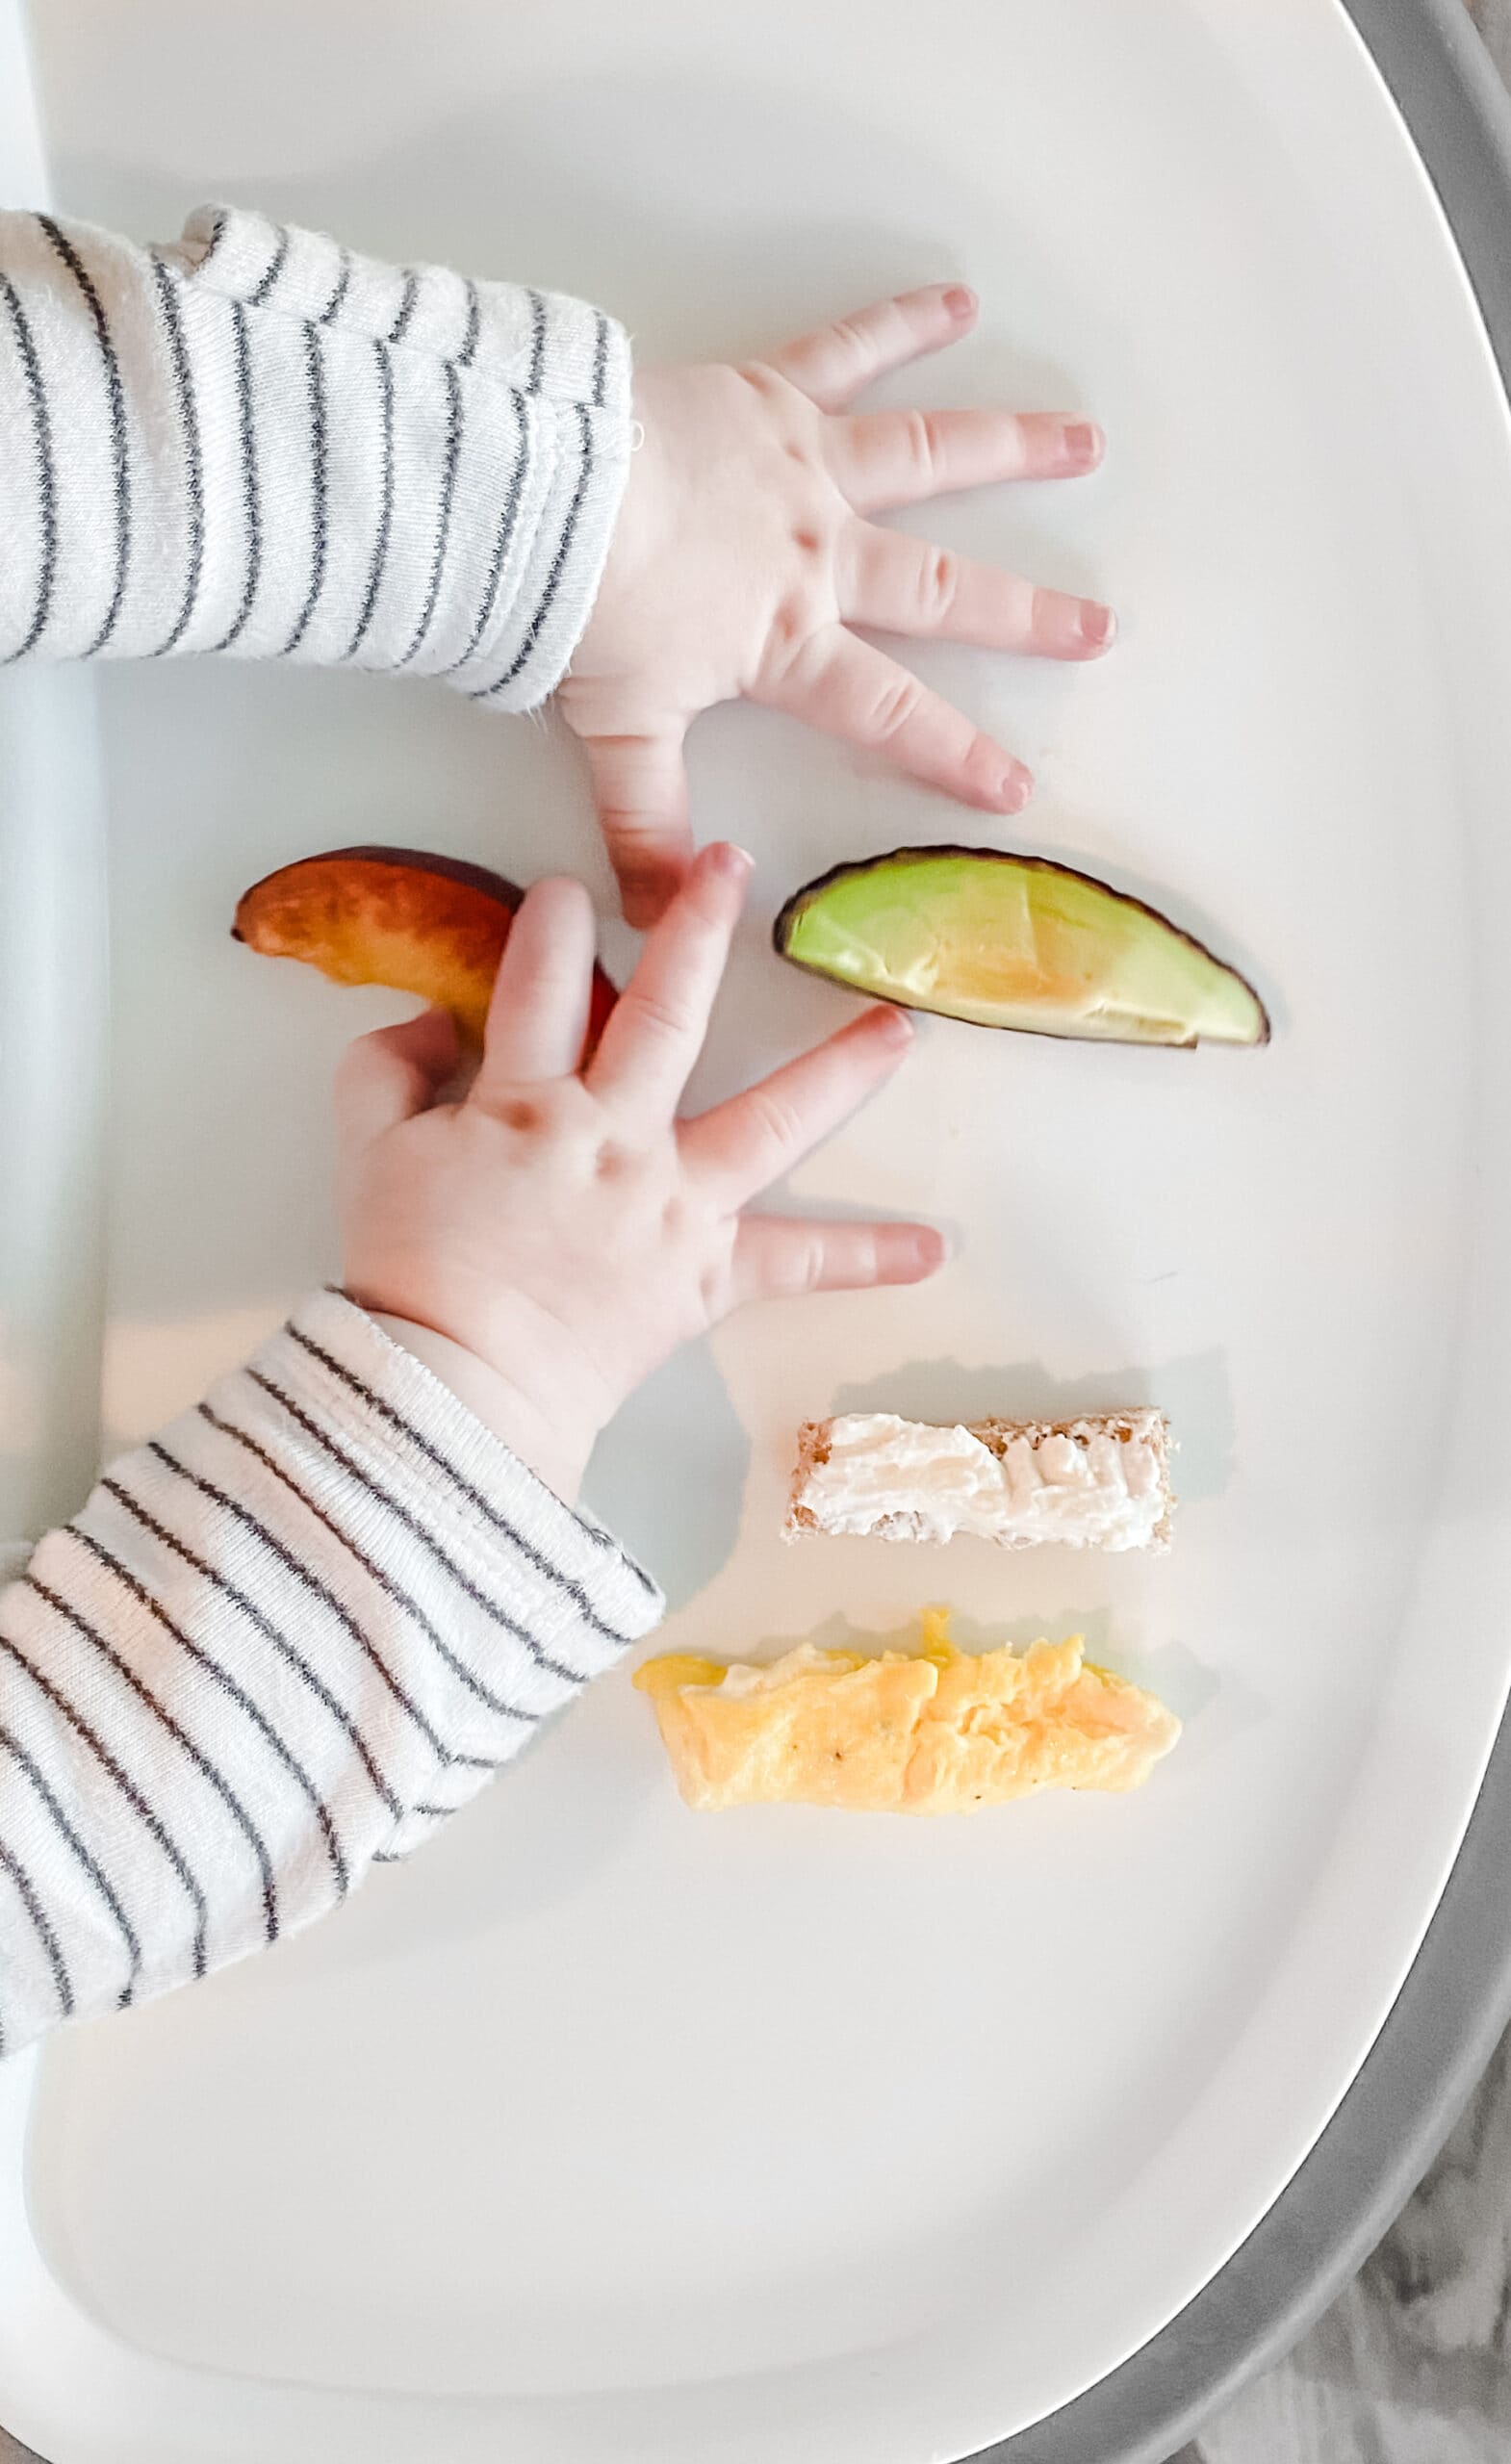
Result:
{"points": [[1015, 941]]}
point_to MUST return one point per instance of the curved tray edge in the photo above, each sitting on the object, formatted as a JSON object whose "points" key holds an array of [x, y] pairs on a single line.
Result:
{"points": [[1457, 2002]]}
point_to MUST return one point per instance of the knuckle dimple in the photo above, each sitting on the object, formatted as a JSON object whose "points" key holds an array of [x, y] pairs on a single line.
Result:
{"points": [[662, 1017], [793, 1265], [808, 1263], [791, 622], [895, 707], [623, 822], [922, 444], [774, 1121], [678, 1219], [941, 585]]}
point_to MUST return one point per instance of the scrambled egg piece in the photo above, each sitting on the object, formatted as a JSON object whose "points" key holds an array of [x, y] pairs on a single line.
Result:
{"points": [[938, 1730]]}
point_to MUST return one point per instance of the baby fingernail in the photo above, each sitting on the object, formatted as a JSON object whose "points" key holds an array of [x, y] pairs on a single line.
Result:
{"points": [[1097, 625], [960, 301], [892, 1026], [737, 863], [1082, 442], [1014, 787]]}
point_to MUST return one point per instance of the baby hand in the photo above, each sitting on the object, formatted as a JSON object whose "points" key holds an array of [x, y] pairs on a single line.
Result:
{"points": [[544, 1242], [744, 554]]}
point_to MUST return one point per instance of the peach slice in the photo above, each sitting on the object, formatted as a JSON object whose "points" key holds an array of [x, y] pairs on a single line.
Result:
{"points": [[422, 923]]}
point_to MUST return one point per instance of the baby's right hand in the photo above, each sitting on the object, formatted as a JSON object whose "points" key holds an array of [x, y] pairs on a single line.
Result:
{"points": [[544, 1243]]}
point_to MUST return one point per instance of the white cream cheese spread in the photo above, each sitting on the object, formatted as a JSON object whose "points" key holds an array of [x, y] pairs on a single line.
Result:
{"points": [[1085, 1487]]}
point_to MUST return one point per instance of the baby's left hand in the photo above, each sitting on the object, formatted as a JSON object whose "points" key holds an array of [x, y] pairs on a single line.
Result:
{"points": [[745, 553]]}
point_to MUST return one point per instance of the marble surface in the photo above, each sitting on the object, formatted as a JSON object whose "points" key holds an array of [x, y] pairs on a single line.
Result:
{"points": [[1412, 2363], [1493, 18]]}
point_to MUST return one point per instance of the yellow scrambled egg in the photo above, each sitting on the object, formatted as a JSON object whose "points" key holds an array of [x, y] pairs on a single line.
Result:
{"points": [[936, 1731]]}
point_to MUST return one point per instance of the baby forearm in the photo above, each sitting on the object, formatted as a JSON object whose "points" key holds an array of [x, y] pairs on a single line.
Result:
{"points": [[261, 444], [281, 1643]]}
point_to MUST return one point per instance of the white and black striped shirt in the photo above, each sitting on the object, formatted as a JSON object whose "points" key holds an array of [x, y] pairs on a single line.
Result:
{"points": [[260, 442], [280, 1643], [287, 1638]]}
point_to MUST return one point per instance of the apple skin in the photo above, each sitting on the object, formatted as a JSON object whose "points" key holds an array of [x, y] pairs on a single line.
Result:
{"points": [[426, 924]]}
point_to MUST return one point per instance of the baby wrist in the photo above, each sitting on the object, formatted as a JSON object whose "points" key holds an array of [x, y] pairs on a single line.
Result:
{"points": [[555, 1452]]}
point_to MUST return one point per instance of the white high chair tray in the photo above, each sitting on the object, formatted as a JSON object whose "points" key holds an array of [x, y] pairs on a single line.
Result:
{"points": [[605, 2132]]}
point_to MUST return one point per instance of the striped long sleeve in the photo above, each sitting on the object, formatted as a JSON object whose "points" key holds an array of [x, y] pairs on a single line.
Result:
{"points": [[281, 1643], [258, 442]]}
